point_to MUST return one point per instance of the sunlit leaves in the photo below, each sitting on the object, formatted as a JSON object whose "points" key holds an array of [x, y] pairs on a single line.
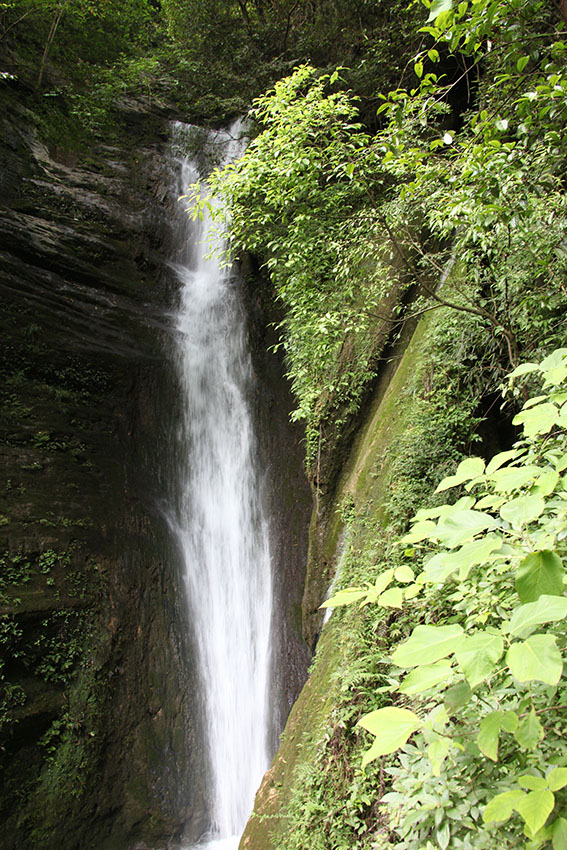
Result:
{"points": [[439, 6], [425, 677], [467, 469], [547, 609], [539, 573], [536, 659], [391, 727], [530, 731], [427, 645], [484, 675], [478, 654]]}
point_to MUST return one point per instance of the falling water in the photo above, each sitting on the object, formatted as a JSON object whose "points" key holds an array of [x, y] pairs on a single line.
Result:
{"points": [[220, 523]]}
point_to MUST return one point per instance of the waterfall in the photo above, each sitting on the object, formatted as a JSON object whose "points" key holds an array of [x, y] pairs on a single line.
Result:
{"points": [[219, 520]]}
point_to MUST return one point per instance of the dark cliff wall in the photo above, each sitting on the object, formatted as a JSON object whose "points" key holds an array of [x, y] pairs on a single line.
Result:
{"points": [[97, 694]]}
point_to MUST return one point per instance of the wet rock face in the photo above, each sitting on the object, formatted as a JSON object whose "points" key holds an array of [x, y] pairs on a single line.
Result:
{"points": [[96, 686]]}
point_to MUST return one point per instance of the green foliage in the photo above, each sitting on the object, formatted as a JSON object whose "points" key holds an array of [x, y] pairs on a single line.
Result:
{"points": [[488, 684], [346, 221]]}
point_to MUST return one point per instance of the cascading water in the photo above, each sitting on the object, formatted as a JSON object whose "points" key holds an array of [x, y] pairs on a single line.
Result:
{"points": [[219, 521]]}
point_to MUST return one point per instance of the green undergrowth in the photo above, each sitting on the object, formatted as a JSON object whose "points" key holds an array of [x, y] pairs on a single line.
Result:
{"points": [[453, 785], [425, 427]]}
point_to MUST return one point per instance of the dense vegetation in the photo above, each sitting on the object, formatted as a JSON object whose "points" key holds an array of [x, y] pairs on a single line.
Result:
{"points": [[420, 181], [205, 61], [455, 203], [474, 201]]}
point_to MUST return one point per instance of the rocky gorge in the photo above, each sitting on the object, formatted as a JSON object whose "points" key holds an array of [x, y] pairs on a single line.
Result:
{"points": [[100, 724]]}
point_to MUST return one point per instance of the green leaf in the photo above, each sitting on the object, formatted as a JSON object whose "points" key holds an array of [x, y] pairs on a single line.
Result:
{"points": [[470, 468], [437, 7], [392, 598], [420, 531], [457, 696], [442, 565], [489, 731], [404, 574], [418, 68], [425, 677], [345, 597], [520, 65], [535, 808], [524, 368], [536, 660], [560, 834], [501, 807], [510, 721], [383, 581], [530, 731], [392, 728], [537, 420], [557, 778], [532, 783], [459, 527], [554, 366], [522, 510], [437, 752], [513, 477], [547, 609], [428, 644], [501, 458], [539, 573], [546, 483], [477, 656], [412, 590]]}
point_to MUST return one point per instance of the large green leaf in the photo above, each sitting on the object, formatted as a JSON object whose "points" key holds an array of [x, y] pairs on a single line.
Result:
{"points": [[513, 477], [488, 734], [522, 510], [536, 659], [392, 598], [554, 366], [547, 609], [420, 531], [404, 574], [523, 369], [557, 778], [392, 727], [537, 420], [501, 807], [501, 458], [529, 732], [437, 751], [546, 482], [456, 696], [535, 808], [425, 677], [383, 581], [539, 573], [439, 6], [442, 565], [477, 656], [532, 783], [428, 644], [345, 597], [460, 526], [560, 834], [470, 468]]}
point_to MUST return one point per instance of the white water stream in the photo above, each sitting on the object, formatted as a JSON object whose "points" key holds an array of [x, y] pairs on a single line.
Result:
{"points": [[220, 523]]}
